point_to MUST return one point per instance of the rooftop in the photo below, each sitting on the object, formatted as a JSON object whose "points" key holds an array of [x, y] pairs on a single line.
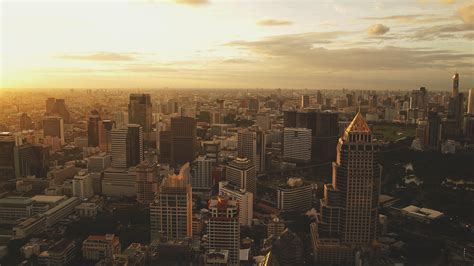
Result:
{"points": [[16, 200], [48, 199], [358, 125]]}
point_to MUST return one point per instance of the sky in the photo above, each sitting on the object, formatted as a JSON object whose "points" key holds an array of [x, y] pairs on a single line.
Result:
{"points": [[317, 44]]}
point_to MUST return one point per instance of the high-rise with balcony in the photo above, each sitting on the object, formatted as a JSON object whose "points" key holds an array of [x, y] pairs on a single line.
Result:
{"points": [[348, 215]]}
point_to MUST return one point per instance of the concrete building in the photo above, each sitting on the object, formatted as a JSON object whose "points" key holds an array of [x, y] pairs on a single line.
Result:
{"points": [[294, 196], [98, 163], [241, 173], [223, 228], [275, 227], [62, 252], [140, 111], [118, 182], [244, 200], [171, 212], [14, 208], [201, 177], [82, 185], [127, 146], [97, 247]]}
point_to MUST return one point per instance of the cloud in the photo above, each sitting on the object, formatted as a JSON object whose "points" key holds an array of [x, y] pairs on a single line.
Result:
{"points": [[466, 13], [448, 2], [192, 2], [300, 52], [408, 19], [100, 56], [274, 22], [377, 30], [442, 31]]}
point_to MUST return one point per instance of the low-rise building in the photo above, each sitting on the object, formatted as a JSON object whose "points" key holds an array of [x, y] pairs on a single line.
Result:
{"points": [[97, 247]]}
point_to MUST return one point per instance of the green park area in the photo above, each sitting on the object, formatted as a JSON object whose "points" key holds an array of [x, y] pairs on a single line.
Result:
{"points": [[392, 132]]}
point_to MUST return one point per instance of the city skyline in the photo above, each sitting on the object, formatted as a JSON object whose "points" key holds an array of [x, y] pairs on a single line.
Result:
{"points": [[226, 44]]}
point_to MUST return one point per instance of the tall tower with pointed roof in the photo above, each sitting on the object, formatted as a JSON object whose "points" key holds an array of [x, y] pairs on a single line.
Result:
{"points": [[347, 219]]}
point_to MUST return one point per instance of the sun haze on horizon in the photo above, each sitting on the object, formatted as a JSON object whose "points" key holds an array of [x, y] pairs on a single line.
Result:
{"points": [[237, 44]]}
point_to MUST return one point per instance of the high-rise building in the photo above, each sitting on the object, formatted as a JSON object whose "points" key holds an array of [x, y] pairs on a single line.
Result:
{"points": [[304, 101], [60, 108], [140, 111], [82, 185], [7, 157], [49, 105], [433, 131], [297, 144], [319, 98], [165, 146], [105, 137], [31, 160], [25, 122], [264, 121], [171, 212], [223, 228], [93, 131], [275, 227], [98, 163], [252, 145], [201, 177], [241, 173], [455, 85], [53, 126], [470, 102], [253, 105], [419, 99], [348, 215], [127, 146], [183, 140], [243, 198], [147, 182]]}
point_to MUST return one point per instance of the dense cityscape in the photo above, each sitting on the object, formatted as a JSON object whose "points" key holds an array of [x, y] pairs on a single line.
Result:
{"points": [[237, 177], [237, 133]]}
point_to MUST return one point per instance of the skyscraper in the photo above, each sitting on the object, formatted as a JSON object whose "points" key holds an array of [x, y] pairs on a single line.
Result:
{"points": [[140, 111], [82, 185], [93, 130], [53, 126], [147, 182], [223, 228], [49, 105], [202, 173], [183, 140], [470, 103], [60, 108], [171, 212], [455, 85], [25, 122], [251, 145], [7, 158], [127, 146], [348, 216], [241, 173], [433, 130], [304, 101]]}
